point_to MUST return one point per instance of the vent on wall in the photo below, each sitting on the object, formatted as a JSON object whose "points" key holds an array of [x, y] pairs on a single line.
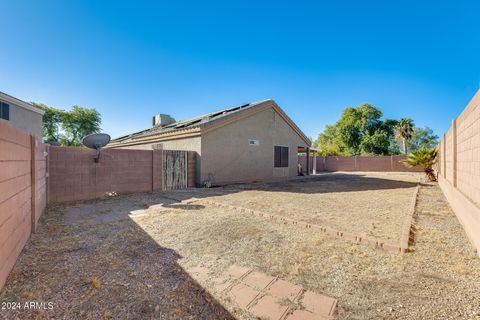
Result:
{"points": [[253, 142]]}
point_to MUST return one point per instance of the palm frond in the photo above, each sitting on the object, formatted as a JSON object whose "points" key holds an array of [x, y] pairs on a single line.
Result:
{"points": [[424, 157]]}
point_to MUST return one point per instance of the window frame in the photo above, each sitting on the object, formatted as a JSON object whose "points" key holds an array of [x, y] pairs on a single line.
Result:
{"points": [[280, 156], [4, 111]]}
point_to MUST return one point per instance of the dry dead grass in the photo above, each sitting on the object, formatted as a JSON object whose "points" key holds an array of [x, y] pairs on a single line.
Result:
{"points": [[96, 283], [141, 263], [365, 204]]}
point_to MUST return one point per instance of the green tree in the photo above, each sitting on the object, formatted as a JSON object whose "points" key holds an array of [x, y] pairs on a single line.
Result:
{"points": [[51, 119], [348, 131], [425, 157], [394, 148], [78, 123], [422, 138], [327, 142], [404, 131], [377, 142], [359, 130], [68, 127]]}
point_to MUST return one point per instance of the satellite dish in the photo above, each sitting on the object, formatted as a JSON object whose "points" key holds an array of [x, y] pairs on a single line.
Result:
{"points": [[96, 141]]}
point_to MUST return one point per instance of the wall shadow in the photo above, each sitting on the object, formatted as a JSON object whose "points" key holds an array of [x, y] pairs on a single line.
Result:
{"points": [[324, 183], [137, 277]]}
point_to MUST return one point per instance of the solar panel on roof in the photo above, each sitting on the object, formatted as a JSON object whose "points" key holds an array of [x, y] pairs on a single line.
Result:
{"points": [[187, 123]]}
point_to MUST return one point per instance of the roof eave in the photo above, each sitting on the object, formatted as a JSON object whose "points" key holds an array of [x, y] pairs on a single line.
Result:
{"points": [[188, 133], [17, 102], [291, 123]]}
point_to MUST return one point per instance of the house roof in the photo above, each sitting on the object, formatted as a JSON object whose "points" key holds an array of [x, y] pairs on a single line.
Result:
{"points": [[15, 101], [205, 122]]}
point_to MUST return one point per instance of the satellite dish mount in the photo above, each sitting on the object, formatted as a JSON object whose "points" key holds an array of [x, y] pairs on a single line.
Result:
{"points": [[96, 141]]}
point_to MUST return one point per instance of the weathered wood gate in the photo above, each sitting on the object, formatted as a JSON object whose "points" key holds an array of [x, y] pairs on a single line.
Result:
{"points": [[175, 169]]}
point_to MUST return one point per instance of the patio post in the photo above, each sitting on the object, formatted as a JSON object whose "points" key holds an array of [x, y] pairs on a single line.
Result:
{"points": [[314, 163], [308, 161]]}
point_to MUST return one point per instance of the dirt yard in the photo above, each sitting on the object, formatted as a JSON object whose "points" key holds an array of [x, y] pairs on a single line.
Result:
{"points": [[365, 204], [94, 260]]}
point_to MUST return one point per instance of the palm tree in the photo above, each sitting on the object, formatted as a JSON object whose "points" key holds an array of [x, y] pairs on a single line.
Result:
{"points": [[404, 130], [426, 158]]}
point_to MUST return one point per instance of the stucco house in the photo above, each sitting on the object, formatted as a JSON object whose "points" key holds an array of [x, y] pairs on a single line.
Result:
{"points": [[21, 114], [251, 142]]}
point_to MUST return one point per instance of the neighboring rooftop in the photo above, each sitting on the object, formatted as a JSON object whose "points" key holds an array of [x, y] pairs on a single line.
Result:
{"points": [[15, 101]]}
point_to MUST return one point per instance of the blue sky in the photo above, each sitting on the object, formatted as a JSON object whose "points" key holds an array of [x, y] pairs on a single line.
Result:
{"points": [[131, 60]]}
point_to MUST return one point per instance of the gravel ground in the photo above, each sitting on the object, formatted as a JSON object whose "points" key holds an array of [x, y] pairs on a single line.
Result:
{"points": [[92, 267], [364, 204]]}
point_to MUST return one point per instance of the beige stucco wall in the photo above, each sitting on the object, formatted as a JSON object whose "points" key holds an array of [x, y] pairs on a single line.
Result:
{"points": [[25, 120], [228, 157], [185, 144]]}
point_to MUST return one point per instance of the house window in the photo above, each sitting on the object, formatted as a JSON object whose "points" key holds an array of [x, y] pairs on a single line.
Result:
{"points": [[4, 111], [280, 157]]}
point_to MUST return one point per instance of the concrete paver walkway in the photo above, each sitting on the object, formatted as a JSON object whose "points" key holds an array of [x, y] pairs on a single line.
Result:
{"points": [[267, 297]]}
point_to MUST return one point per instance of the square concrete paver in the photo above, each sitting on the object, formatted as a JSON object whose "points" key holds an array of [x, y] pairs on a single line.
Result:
{"points": [[262, 295], [318, 304], [305, 315], [242, 295], [269, 307], [236, 271], [284, 290], [222, 282], [257, 280]]}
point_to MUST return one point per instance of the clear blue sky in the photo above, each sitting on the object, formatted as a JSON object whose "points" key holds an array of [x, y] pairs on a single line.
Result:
{"points": [[417, 59]]}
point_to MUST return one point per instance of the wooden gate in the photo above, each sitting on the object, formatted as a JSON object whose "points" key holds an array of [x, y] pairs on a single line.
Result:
{"points": [[175, 169]]}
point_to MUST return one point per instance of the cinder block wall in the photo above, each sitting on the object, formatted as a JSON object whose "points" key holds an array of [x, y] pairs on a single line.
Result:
{"points": [[449, 155], [459, 168], [359, 163], [40, 180], [22, 192], [75, 176], [191, 168]]}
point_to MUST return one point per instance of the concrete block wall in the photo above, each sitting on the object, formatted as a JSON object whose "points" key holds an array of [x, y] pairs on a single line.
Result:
{"points": [[448, 157], [339, 163], [459, 168], [359, 163], [22, 192], [75, 176], [40, 181], [376, 163], [157, 169], [191, 168]]}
